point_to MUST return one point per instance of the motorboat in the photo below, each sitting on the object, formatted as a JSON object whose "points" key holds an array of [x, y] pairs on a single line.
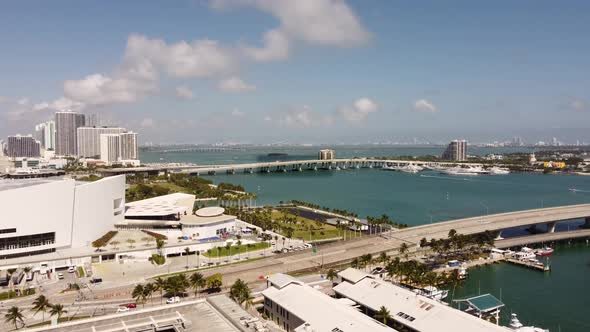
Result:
{"points": [[544, 252], [410, 168], [432, 292], [517, 326], [498, 171], [471, 170], [525, 254]]}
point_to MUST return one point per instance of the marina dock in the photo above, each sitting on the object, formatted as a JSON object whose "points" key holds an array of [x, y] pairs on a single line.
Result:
{"points": [[536, 266]]}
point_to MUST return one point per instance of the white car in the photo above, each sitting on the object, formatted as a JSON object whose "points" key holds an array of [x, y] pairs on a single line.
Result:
{"points": [[122, 309], [173, 299], [60, 276], [71, 269]]}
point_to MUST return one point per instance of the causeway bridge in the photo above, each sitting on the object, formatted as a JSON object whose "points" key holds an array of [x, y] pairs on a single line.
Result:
{"points": [[280, 166]]}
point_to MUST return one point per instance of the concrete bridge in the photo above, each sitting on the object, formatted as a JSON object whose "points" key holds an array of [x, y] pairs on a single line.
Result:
{"points": [[499, 222], [281, 166]]}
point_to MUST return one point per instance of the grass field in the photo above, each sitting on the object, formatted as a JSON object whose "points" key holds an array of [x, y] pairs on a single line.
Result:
{"points": [[319, 231], [235, 249]]}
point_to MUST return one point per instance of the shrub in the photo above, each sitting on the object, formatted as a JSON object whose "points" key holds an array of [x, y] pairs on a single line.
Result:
{"points": [[158, 259], [103, 240]]}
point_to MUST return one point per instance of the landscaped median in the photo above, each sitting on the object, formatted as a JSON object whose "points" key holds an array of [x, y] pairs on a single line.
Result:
{"points": [[235, 250]]}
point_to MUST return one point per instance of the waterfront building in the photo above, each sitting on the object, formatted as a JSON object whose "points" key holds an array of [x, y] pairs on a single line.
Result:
{"points": [[456, 151], [409, 310], [327, 154], [172, 215], [129, 146], [42, 215], [23, 146], [45, 133], [66, 126], [88, 140], [110, 148], [295, 306]]}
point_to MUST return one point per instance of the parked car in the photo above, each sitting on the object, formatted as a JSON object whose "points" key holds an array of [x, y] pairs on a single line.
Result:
{"points": [[60, 275], [122, 309], [173, 299], [71, 269], [95, 280], [131, 305], [307, 245], [378, 270]]}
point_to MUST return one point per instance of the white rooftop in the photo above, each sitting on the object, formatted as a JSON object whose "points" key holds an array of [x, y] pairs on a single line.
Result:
{"points": [[320, 312], [212, 211], [160, 206], [353, 275], [418, 312]]}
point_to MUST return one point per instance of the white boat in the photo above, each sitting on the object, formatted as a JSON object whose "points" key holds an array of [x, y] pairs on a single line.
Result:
{"points": [[471, 170], [498, 171], [432, 292], [525, 254], [517, 326], [410, 168]]}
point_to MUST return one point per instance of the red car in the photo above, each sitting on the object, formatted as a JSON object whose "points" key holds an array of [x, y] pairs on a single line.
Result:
{"points": [[131, 305]]}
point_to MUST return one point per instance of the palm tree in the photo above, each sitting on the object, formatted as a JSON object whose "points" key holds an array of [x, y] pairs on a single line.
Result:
{"points": [[114, 244], [197, 281], [57, 309], [41, 303], [331, 274], [240, 292], [159, 285], [138, 293], [147, 240], [383, 259], [14, 315], [159, 245], [239, 243], [355, 263], [383, 315], [148, 290], [403, 249], [187, 250]]}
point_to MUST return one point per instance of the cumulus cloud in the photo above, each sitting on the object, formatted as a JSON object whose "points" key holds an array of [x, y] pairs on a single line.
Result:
{"points": [[235, 85], [184, 92], [424, 106], [97, 89], [359, 111], [320, 22], [300, 117], [24, 109], [275, 47]]}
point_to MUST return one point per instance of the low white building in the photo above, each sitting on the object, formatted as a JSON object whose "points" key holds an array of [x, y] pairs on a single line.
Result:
{"points": [[172, 215], [411, 311], [298, 307], [39, 216]]}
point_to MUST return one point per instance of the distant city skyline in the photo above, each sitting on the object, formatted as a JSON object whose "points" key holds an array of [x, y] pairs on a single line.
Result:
{"points": [[309, 71]]}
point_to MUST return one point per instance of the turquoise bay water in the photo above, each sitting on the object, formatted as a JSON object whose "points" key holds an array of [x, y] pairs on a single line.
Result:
{"points": [[559, 300]]}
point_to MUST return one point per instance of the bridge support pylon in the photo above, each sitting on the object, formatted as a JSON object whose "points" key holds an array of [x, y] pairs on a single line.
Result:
{"points": [[499, 236], [551, 227], [586, 223]]}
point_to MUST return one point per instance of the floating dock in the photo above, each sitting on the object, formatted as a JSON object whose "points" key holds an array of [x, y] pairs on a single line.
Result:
{"points": [[536, 266]]}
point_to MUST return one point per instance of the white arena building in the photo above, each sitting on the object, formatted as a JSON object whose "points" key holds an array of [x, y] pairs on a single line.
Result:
{"points": [[172, 215], [41, 215]]}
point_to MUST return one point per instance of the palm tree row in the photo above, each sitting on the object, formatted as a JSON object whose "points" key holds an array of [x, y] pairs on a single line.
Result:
{"points": [[456, 243], [175, 285], [15, 315]]}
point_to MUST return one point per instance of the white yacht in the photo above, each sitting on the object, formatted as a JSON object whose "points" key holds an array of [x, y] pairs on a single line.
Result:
{"points": [[517, 326], [432, 292], [498, 171], [410, 168]]}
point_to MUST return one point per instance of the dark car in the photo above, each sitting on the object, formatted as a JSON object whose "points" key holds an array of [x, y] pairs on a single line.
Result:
{"points": [[95, 280], [131, 305]]}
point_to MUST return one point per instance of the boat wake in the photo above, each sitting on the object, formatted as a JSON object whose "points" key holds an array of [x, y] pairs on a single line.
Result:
{"points": [[446, 177]]}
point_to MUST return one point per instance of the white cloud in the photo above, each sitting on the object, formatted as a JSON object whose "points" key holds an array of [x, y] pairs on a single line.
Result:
{"points": [[235, 85], [424, 106], [359, 111], [302, 117], [147, 123], [320, 22], [59, 104], [97, 89], [237, 113], [184, 92], [275, 47]]}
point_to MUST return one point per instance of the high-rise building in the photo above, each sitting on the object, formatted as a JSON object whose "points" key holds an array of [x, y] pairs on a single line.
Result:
{"points": [[110, 148], [456, 150], [88, 140], [326, 154], [128, 146], [45, 133], [23, 146], [92, 120], [66, 125]]}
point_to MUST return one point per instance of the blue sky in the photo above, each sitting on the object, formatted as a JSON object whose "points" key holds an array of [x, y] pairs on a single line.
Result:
{"points": [[328, 70]]}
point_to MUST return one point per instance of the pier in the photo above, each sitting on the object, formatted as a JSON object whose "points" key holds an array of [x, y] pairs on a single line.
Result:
{"points": [[536, 266]]}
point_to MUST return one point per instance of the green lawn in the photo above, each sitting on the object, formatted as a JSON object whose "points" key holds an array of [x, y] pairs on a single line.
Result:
{"points": [[320, 231], [235, 249], [81, 273]]}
